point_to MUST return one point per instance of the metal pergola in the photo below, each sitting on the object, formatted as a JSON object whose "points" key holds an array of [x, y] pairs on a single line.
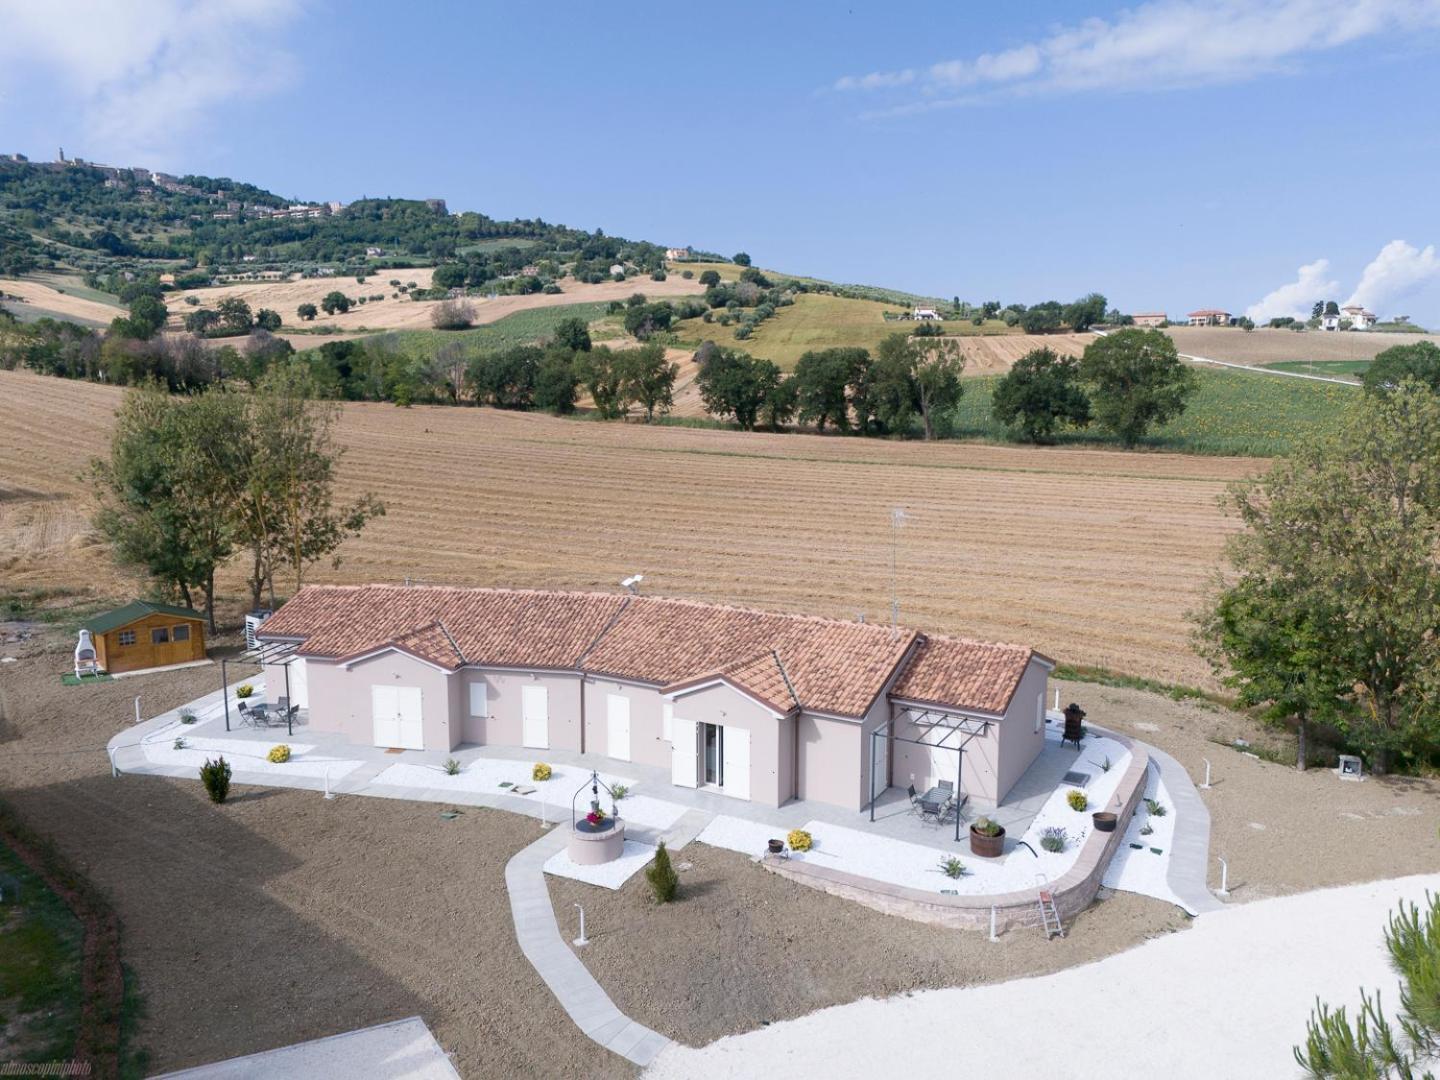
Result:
{"points": [[274, 653], [934, 729]]}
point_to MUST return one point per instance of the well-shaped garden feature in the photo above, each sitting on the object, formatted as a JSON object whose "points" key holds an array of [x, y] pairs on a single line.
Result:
{"points": [[595, 837]]}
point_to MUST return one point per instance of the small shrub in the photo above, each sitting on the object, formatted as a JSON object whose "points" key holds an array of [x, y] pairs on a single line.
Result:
{"points": [[800, 840], [180, 743], [452, 767], [215, 775], [1156, 809], [952, 867], [1078, 801], [1147, 830], [663, 879], [1054, 839], [1104, 765], [187, 717], [278, 754], [619, 791], [541, 772], [988, 827], [244, 690]]}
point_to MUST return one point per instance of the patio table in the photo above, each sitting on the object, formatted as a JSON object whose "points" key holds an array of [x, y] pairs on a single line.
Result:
{"points": [[933, 801]]}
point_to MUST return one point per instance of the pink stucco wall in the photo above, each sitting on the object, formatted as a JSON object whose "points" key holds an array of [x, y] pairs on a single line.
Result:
{"points": [[505, 705], [340, 697], [723, 705], [1021, 739], [648, 744]]}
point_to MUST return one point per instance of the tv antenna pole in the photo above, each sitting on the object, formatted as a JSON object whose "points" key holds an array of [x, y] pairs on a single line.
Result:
{"points": [[898, 517]]}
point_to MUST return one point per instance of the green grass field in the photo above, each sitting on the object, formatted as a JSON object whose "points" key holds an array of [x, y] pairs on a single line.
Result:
{"points": [[1328, 368], [40, 969], [495, 245], [75, 286], [1233, 412], [818, 321], [521, 328]]}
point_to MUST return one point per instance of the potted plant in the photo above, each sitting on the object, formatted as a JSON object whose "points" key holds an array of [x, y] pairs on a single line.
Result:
{"points": [[987, 838], [596, 817], [1104, 821]]}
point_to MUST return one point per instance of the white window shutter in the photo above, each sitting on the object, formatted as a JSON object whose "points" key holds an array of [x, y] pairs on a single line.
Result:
{"points": [[737, 762], [479, 699], [684, 753]]}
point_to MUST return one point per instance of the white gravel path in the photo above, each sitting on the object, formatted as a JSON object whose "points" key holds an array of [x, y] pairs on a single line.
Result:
{"points": [[1227, 997], [1141, 869], [244, 755], [487, 774]]}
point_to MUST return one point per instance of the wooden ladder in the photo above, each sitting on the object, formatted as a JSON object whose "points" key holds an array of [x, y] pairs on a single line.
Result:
{"points": [[1049, 915]]}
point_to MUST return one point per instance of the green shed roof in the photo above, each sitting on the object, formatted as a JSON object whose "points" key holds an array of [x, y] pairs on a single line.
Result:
{"points": [[137, 609]]}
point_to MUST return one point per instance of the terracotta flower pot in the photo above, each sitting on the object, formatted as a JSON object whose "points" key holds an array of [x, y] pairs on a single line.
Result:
{"points": [[987, 847]]}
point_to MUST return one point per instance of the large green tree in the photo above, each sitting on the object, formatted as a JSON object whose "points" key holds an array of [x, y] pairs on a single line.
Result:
{"points": [[1419, 361], [823, 379], [737, 385], [1338, 580], [911, 379], [648, 379], [1137, 381], [1040, 393]]}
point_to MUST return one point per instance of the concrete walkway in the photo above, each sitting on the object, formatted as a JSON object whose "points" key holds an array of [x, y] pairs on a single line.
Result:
{"points": [[1189, 871], [573, 986]]}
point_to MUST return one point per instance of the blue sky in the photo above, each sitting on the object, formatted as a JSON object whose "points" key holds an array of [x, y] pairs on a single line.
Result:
{"points": [[1172, 155]]}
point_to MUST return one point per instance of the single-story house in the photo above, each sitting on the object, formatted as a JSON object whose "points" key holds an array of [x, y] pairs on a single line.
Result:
{"points": [[754, 705], [143, 635], [1211, 317], [1150, 318], [925, 314]]}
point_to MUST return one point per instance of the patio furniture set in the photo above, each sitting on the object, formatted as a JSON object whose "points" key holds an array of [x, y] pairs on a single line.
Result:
{"points": [[937, 804], [260, 714]]}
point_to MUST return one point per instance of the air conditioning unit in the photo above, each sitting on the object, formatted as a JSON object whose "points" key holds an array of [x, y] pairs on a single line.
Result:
{"points": [[253, 622]]}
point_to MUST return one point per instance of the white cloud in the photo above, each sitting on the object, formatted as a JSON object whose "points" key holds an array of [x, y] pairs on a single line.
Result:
{"points": [[141, 77], [1159, 45], [1297, 297], [1398, 273]]}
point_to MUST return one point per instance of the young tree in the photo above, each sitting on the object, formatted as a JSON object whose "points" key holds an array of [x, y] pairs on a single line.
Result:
{"points": [[600, 372], [648, 379], [1373, 1049], [453, 315], [780, 403], [938, 388], [1085, 312], [1041, 319], [1339, 553], [1041, 392], [200, 320], [1137, 381], [268, 320], [709, 277], [741, 259], [823, 380], [307, 312], [234, 315], [1420, 361], [735, 384]]}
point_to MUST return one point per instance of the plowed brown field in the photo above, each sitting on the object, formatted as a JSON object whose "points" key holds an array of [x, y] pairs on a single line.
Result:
{"points": [[1235, 346], [1092, 556]]}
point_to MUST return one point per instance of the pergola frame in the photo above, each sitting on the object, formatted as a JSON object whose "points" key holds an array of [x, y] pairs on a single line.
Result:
{"points": [[274, 653], [927, 722]]}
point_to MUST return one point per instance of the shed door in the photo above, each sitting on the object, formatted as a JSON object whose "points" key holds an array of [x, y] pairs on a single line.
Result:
{"points": [[617, 711], [737, 762], [684, 752], [535, 717], [385, 709], [411, 718]]}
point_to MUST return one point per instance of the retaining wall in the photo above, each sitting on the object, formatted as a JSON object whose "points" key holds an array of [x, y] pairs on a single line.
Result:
{"points": [[1073, 891]]}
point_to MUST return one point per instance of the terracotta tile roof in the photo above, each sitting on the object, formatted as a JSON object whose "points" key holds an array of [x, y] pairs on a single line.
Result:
{"points": [[977, 675], [829, 665]]}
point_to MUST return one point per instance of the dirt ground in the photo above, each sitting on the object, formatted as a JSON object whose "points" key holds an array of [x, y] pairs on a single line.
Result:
{"points": [[279, 916], [1232, 344], [743, 947], [403, 314], [1280, 830]]}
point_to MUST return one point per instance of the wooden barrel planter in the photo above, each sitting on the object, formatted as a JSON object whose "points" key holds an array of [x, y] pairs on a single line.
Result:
{"points": [[1104, 821], [987, 847], [776, 846]]}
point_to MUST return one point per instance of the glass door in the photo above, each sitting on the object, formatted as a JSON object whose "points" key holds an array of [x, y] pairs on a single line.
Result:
{"points": [[714, 754]]}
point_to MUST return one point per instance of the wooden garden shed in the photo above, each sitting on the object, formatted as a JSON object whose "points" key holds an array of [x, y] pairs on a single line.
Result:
{"points": [[143, 634]]}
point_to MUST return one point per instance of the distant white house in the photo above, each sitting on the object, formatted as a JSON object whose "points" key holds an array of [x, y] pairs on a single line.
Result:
{"points": [[374, 252], [676, 254], [617, 269], [1210, 317], [1360, 319], [925, 314]]}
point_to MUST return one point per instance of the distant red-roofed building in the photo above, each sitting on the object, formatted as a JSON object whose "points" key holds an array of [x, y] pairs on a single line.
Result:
{"points": [[1210, 317], [1150, 318]]}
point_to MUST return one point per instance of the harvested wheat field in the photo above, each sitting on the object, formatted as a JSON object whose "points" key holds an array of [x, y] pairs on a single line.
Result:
{"points": [[1235, 346], [1093, 556], [400, 313], [39, 299]]}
